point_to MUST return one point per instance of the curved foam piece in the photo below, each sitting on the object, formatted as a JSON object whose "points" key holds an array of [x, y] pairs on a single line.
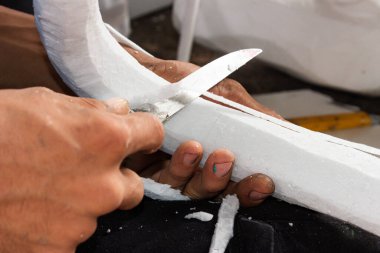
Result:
{"points": [[323, 173], [85, 54]]}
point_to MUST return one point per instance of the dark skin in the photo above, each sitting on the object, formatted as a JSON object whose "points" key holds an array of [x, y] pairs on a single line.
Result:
{"points": [[57, 165], [173, 71], [251, 191], [21, 48]]}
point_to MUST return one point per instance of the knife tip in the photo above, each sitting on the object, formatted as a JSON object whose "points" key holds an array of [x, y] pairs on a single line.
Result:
{"points": [[252, 52]]}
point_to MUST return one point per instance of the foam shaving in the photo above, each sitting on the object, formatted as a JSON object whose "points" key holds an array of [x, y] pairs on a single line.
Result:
{"points": [[159, 191], [202, 216], [224, 228]]}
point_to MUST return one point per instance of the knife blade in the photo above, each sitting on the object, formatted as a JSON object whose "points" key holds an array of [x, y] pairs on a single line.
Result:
{"points": [[175, 97]]}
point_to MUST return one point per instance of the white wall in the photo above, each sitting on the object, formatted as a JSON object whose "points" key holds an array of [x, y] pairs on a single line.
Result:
{"points": [[116, 13]]}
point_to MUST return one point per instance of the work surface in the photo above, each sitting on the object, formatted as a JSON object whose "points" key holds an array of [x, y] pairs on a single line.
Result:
{"points": [[275, 226]]}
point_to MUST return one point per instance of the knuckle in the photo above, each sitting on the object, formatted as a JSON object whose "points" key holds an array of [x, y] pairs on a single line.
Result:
{"points": [[165, 67], [138, 188], [112, 190], [115, 195], [117, 106], [102, 133], [113, 137], [227, 88], [134, 192], [92, 103], [87, 230], [168, 70], [40, 90], [42, 96], [40, 93], [171, 66], [91, 228], [79, 234], [230, 85], [149, 127]]}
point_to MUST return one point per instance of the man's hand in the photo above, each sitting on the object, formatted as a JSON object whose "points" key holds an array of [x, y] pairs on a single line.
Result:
{"points": [[184, 173], [60, 166], [173, 71]]}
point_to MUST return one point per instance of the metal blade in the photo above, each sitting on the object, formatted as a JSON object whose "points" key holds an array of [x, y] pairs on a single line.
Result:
{"points": [[194, 85], [212, 73]]}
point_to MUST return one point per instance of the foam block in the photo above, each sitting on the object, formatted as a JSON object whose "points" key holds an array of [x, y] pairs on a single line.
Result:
{"points": [[320, 172]]}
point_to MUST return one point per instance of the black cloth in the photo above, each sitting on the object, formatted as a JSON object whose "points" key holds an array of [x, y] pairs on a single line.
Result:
{"points": [[20, 5], [275, 226]]}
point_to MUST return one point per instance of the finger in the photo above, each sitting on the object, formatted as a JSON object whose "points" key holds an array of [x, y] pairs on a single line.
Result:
{"points": [[141, 163], [154, 169], [252, 190], [234, 91], [117, 137], [88, 103], [213, 178], [117, 105], [170, 70], [114, 105], [184, 163], [166, 69], [143, 58], [142, 132], [133, 189]]}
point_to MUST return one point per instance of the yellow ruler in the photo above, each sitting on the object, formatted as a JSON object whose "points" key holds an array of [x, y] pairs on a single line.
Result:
{"points": [[324, 123]]}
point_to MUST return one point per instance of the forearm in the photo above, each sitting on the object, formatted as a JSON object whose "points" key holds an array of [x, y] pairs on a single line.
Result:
{"points": [[23, 61]]}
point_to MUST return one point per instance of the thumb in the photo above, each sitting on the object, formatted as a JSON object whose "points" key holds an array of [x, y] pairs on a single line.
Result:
{"points": [[117, 105]]}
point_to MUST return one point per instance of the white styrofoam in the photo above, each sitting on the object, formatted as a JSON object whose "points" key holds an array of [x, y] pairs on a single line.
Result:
{"points": [[321, 172], [164, 192], [224, 228], [85, 54], [202, 216]]}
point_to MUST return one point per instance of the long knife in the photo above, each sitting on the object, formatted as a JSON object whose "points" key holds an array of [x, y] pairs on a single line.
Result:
{"points": [[182, 93]]}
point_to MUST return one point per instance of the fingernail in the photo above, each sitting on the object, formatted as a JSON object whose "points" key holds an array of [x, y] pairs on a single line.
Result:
{"points": [[189, 159], [118, 105], [254, 196], [222, 169]]}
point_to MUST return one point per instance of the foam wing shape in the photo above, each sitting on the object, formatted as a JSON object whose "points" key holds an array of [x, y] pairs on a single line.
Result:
{"points": [[323, 173]]}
